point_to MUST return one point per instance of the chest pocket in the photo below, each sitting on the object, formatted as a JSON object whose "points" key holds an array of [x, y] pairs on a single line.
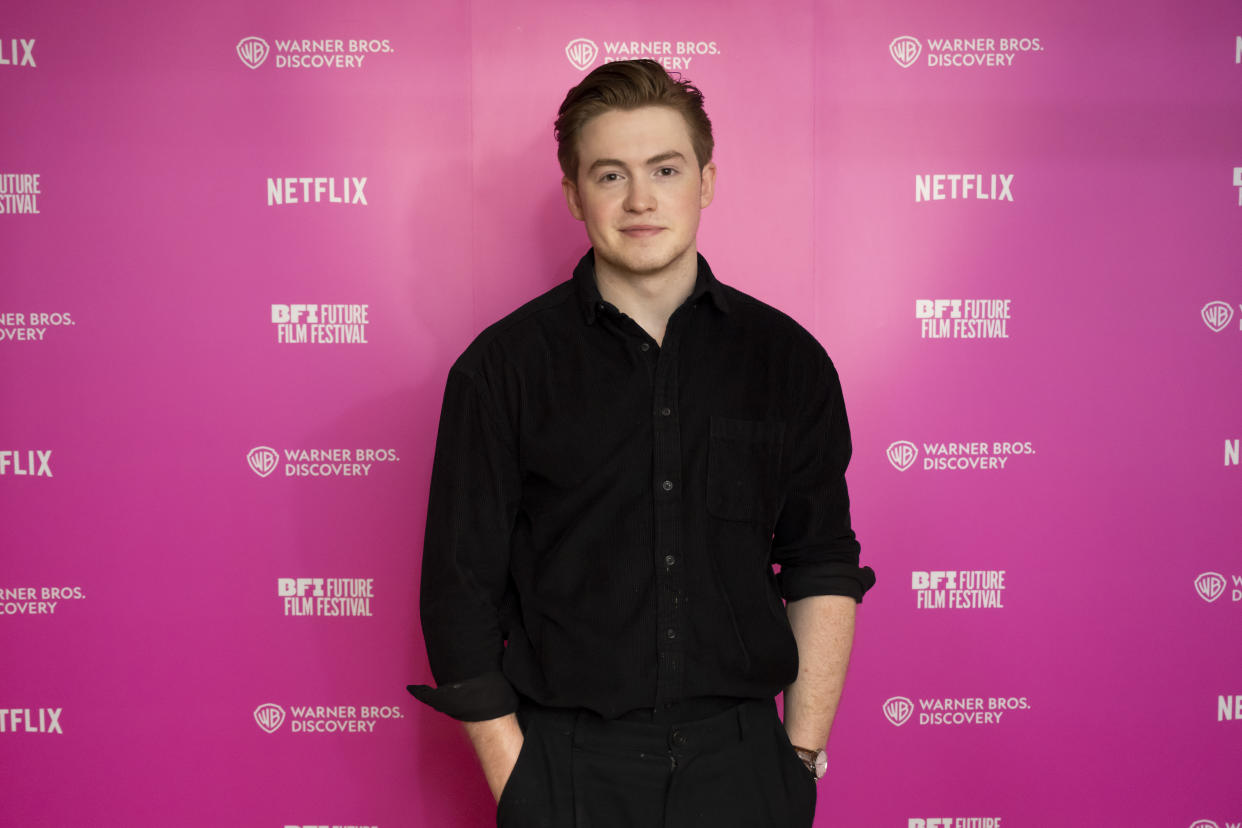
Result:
{"points": [[743, 469]]}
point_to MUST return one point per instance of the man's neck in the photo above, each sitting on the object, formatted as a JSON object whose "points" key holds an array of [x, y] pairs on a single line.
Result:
{"points": [[649, 299]]}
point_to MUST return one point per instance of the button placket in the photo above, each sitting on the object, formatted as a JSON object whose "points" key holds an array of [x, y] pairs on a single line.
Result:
{"points": [[667, 469]]}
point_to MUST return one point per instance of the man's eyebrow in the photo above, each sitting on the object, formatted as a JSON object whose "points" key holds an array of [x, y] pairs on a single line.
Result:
{"points": [[653, 160]]}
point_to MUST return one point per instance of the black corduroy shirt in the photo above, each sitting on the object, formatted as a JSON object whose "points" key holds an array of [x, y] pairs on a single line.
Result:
{"points": [[605, 512]]}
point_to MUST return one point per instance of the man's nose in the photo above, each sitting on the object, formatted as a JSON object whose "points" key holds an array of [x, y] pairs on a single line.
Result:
{"points": [[640, 197]]}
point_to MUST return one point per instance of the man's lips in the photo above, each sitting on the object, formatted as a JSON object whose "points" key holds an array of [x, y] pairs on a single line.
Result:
{"points": [[641, 230]]}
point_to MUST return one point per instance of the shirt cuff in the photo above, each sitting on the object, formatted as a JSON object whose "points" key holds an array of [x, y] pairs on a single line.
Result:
{"points": [[488, 696], [825, 579]]}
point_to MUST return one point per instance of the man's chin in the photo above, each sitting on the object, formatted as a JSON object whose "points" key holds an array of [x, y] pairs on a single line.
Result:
{"points": [[652, 265]]}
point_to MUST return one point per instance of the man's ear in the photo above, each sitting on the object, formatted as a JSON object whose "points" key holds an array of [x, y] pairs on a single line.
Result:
{"points": [[571, 197], [707, 184]]}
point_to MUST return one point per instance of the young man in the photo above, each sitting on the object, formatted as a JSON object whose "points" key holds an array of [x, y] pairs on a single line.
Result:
{"points": [[619, 464]]}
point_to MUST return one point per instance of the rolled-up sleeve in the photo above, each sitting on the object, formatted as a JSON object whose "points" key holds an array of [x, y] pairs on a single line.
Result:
{"points": [[471, 508], [813, 541]]}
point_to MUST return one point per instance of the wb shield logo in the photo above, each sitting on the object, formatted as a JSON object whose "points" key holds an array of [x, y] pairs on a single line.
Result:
{"points": [[1204, 823], [581, 53], [253, 51], [898, 709], [262, 460], [905, 50], [902, 454], [269, 717], [1216, 315], [1210, 586]]}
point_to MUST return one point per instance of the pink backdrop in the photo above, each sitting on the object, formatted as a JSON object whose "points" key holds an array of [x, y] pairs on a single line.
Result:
{"points": [[1052, 505]]}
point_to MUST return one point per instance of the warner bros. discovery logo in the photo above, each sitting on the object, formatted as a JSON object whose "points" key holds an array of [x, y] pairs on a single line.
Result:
{"points": [[19, 326], [966, 710], [1217, 316], [1210, 586], [905, 50], [269, 717], [898, 710], [581, 52], [319, 462], [962, 52], [337, 718], [263, 460], [972, 455], [902, 454], [253, 51], [311, 53]]}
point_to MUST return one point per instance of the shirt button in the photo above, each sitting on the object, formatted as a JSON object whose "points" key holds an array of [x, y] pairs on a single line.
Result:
{"points": [[667, 485], [644, 347], [679, 738], [669, 560], [670, 632], [666, 411]]}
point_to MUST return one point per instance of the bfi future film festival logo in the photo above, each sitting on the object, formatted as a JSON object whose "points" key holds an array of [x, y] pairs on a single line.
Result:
{"points": [[36, 600], [321, 324], [309, 190], [326, 597], [324, 718], [958, 588], [30, 327], [950, 712], [959, 186], [962, 52], [332, 462], [31, 720], [320, 53], [969, 456], [673, 55], [963, 318], [954, 822], [1212, 586], [18, 52], [19, 194]]}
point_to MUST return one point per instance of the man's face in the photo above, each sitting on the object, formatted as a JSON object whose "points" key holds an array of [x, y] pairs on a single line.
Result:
{"points": [[639, 190]]}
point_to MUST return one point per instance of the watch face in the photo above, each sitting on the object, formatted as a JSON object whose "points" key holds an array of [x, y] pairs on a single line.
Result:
{"points": [[821, 764]]}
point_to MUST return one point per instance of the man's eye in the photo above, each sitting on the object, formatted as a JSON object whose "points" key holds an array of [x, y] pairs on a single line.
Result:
{"points": [[666, 171], [610, 177]]}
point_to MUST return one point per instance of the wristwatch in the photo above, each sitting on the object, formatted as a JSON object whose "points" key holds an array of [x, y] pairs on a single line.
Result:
{"points": [[816, 761]]}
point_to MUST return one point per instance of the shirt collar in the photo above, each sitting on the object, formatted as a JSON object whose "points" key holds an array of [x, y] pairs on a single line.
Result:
{"points": [[589, 297]]}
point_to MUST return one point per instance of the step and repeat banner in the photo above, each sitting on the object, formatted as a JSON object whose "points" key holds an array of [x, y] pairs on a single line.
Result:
{"points": [[241, 244]]}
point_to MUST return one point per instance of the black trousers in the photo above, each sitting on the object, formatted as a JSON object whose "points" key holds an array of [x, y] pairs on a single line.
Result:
{"points": [[732, 769]]}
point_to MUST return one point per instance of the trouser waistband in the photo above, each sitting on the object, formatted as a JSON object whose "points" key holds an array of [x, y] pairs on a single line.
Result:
{"points": [[592, 731]]}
